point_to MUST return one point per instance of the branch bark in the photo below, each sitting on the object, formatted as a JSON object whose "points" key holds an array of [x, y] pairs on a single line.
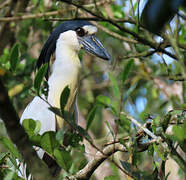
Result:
{"points": [[88, 170]]}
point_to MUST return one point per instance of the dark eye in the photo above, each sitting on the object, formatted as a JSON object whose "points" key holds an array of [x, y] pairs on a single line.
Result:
{"points": [[80, 32]]}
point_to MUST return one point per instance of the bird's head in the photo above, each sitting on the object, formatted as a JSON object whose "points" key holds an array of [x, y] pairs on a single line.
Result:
{"points": [[77, 35]]}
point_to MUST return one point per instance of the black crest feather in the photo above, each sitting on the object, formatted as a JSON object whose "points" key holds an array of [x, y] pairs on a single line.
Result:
{"points": [[50, 45]]}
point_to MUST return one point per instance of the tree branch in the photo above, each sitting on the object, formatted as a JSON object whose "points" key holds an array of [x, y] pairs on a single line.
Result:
{"points": [[30, 16], [52, 13], [137, 55], [88, 170]]}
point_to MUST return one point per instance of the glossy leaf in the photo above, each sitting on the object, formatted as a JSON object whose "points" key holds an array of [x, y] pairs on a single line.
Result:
{"points": [[29, 126], [130, 169], [115, 86], [49, 142], [63, 158], [14, 57], [39, 77], [60, 136], [91, 116], [10, 146], [104, 100], [36, 140], [112, 177], [127, 70], [9, 176], [124, 123], [64, 97]]}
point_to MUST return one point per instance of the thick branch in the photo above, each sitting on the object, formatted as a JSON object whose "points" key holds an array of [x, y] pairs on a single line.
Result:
{"points": [[20, 138], [109, 150], [88, 170]]}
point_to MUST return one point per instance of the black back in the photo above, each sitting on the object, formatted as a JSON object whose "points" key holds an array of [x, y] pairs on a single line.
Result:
{"points": [[50, 45]]}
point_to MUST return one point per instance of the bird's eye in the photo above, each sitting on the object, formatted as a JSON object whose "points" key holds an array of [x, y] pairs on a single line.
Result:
{"points": [[80, 32]]}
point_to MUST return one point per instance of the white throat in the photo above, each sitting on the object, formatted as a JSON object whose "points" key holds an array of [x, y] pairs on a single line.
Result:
{"points": [[65, 71]]}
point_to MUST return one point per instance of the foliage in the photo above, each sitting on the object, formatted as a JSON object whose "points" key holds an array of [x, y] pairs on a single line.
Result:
{"points": [[146, 79]]}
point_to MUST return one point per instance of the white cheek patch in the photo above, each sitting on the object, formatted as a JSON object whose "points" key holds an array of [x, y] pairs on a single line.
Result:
{"points": [[90, 29]]}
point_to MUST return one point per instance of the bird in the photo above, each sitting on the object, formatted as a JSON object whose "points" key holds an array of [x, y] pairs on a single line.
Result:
{"points": [[63, 44]]}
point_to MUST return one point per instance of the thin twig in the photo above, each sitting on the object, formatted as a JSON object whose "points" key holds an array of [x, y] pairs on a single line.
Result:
{"points": [[137, 55], [52, 13], [121, 169], [116, 35], [30, 16]]}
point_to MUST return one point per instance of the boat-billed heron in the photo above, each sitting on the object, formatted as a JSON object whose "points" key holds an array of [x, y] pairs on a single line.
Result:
{"points": [[65, 42]]}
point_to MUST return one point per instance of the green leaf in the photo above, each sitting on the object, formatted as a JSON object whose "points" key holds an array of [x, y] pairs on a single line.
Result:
{"points": [[29, 126], [112, 178], [36, 140], [115, 86], [179, 132], [9, 176], [156, 121], [83, 132], [64, 97], [2, 156], [124, 123], [69, 119], [49, 142], [127, 70], [129, 91], [117, 10], [14, 57], [129, 168], [32, 128], [166, 121], [110, 128], [60, 136], [38, 127], [39, 77], [73, 139], [150, 150], [63, 158], [104, 100], [10, 146], [91, 116], [156, 149], [13, 161]]}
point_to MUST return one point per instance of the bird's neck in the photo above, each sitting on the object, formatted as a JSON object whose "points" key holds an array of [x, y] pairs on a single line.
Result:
{"points": [[65, 57], [65, 71]]}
